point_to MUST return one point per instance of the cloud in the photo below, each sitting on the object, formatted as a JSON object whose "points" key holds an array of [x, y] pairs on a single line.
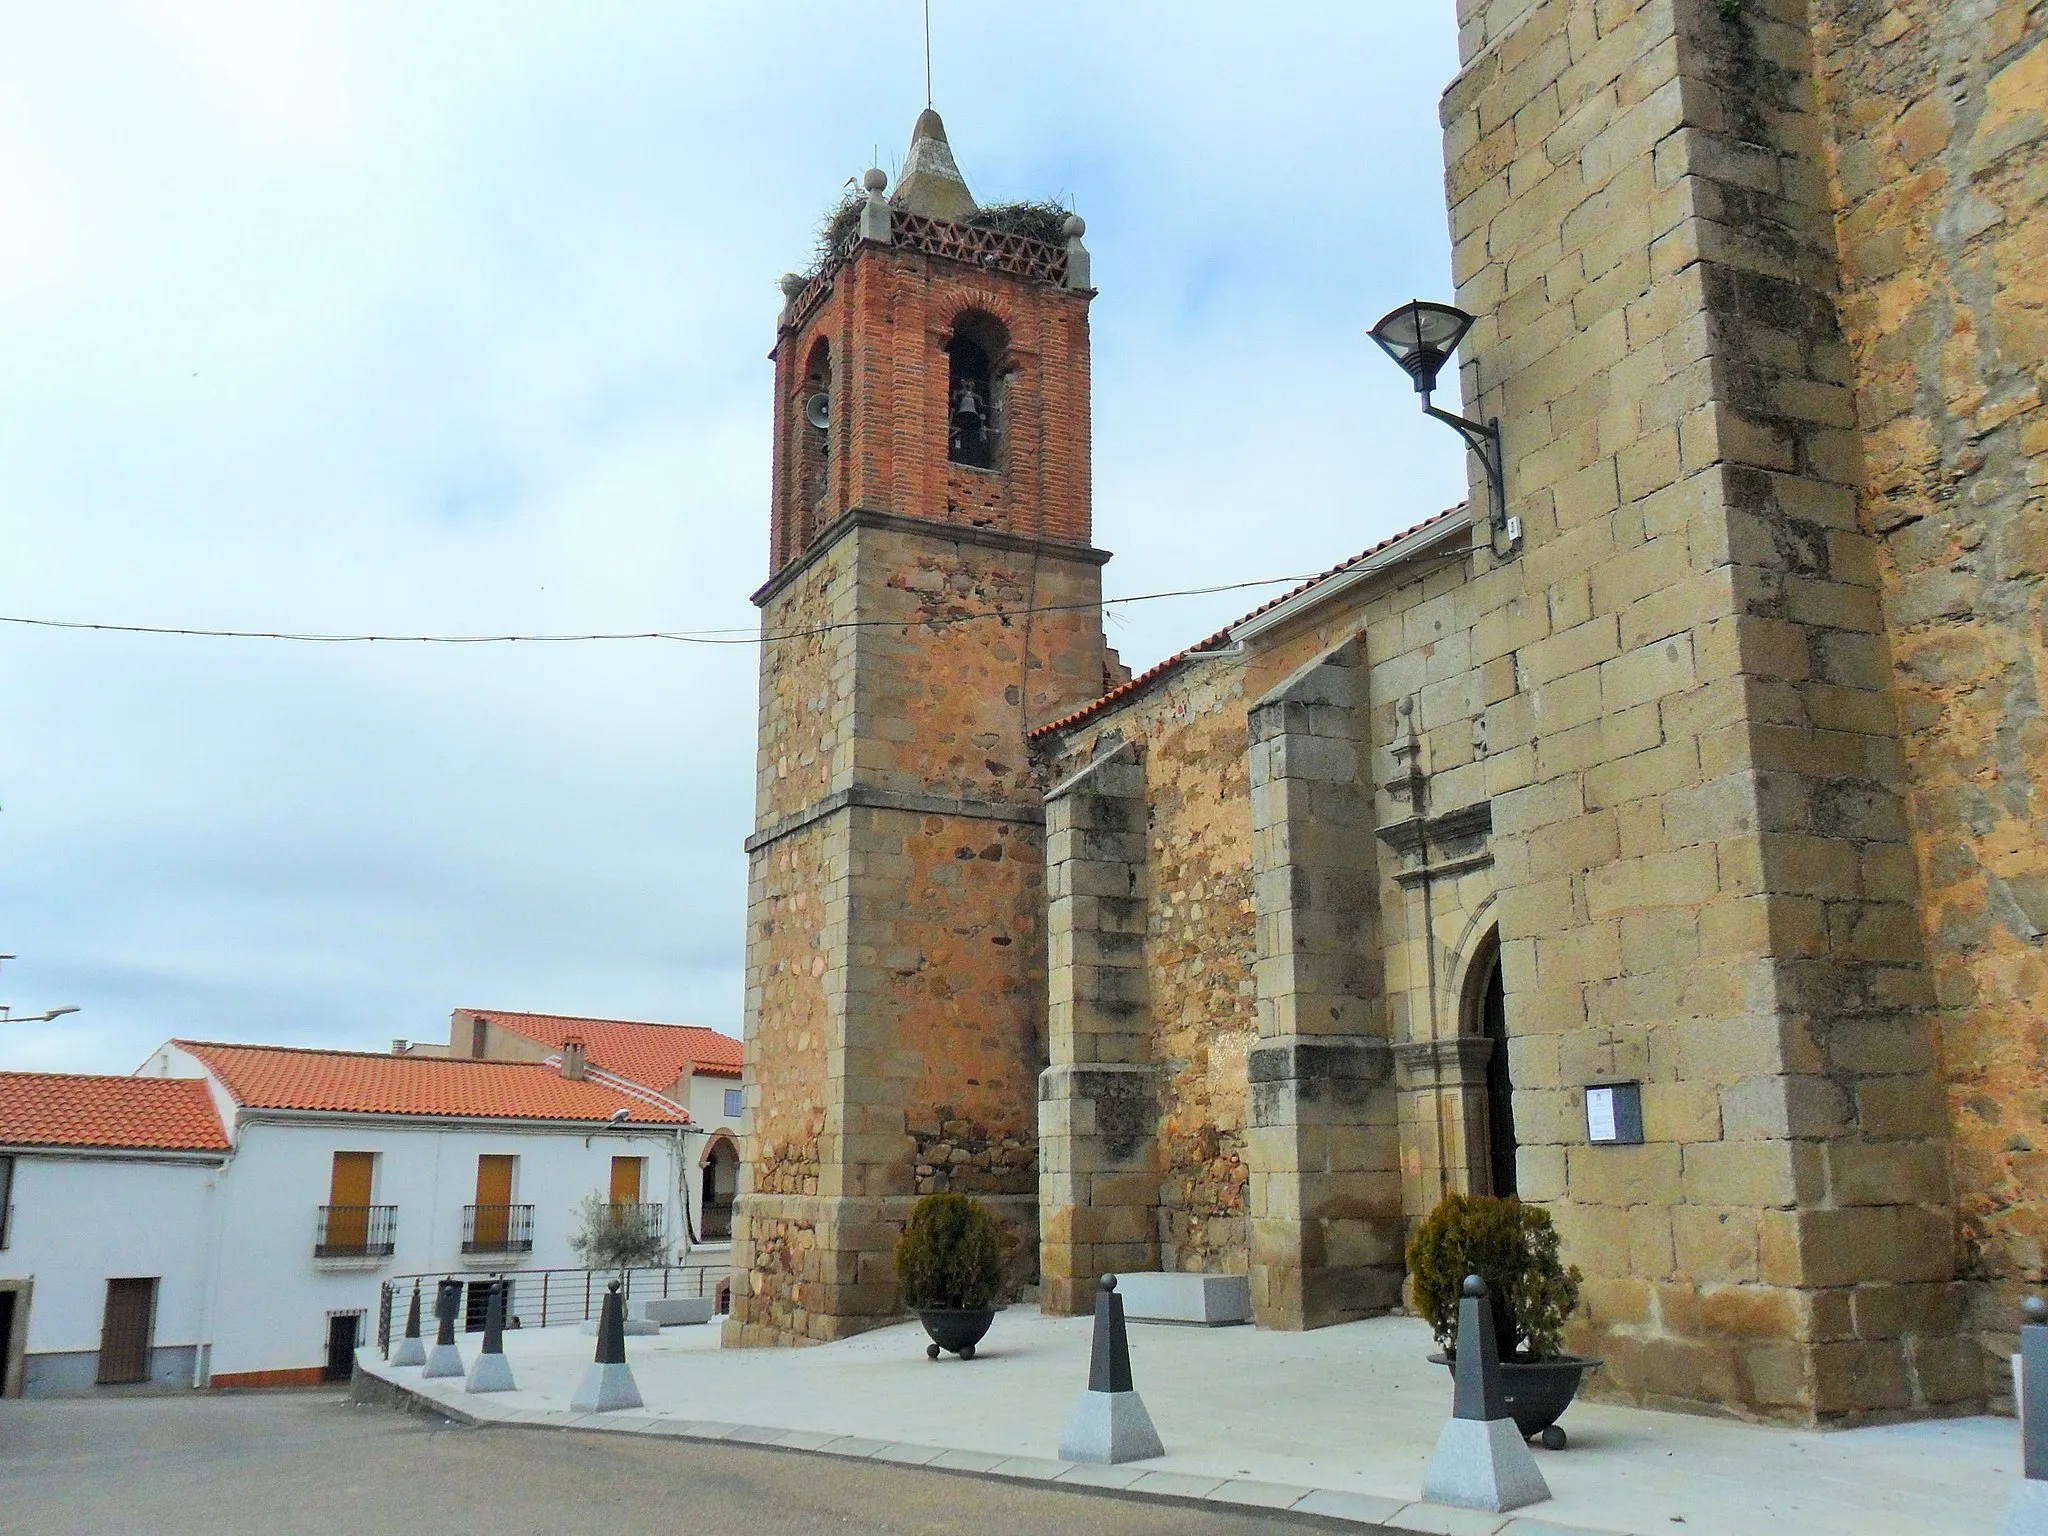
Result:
{"points": [[452, 318]]}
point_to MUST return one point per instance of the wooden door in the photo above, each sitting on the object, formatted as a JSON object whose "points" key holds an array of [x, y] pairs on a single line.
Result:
{"points": [[493, 1201], [348, 1199], [128, 1331], [626, 1180]]}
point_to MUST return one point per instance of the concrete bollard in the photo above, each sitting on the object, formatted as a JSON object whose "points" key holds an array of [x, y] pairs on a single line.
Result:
{"points": [[492, 1371], [2026, 1513], [1481, 1460], [444, 1359], [412, 1350], [608, 1384], [1111, 1425]]}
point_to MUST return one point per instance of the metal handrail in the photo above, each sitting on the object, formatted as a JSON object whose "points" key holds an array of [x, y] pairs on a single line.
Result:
{"points": [[497, 1229], [356, 1232], [547, 1298]]}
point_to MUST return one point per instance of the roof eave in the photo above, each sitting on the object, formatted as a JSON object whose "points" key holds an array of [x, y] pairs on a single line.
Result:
{"points": [[1408, 547]]}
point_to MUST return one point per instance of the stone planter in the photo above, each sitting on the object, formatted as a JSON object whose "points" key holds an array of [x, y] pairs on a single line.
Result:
{"points": [[957, 1329], [1539, 1391]]}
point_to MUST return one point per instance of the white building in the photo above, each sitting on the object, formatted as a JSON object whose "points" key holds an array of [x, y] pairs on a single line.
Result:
{"points": [[689, 1065], [266, 1247], [107, 1189]]}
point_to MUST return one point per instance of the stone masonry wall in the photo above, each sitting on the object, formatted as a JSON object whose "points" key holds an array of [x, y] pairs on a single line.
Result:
{"points": [[1200, 1010], [944, 699], [1696, 781], [1938, 115], [1200, 1017]]}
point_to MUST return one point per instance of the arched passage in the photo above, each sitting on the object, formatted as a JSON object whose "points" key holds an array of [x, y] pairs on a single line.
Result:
{"points": [[721, 1176]]}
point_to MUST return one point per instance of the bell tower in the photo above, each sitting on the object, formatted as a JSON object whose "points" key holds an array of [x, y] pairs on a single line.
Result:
{"points": [[932, 596]]}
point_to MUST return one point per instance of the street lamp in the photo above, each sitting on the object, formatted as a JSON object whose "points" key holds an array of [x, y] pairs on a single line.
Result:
{"points": [[1421, 336], [7, 1015]]}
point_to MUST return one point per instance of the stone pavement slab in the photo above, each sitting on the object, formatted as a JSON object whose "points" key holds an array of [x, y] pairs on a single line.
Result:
{"points": [[1345, 1418]]}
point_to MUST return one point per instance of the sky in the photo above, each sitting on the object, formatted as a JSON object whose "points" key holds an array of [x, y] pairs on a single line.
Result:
{"points": [[452, 319]]}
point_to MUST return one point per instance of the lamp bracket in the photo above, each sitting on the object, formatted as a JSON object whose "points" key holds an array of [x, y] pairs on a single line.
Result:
{"points": [[1484, 440]]}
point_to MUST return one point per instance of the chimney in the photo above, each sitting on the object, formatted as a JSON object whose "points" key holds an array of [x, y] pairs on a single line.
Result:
{"points": [[399, 1047], [573, 1061]]}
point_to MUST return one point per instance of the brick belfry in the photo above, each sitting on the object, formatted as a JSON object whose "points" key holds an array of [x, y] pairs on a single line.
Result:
{"points": [[932, 596]]}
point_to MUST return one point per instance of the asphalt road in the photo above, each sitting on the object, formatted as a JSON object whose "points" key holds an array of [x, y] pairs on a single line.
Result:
{"points": [[281, 1463]]}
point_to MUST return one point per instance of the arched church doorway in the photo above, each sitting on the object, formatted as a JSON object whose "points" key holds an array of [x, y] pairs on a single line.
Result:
{"points": [[1487, 1017]]}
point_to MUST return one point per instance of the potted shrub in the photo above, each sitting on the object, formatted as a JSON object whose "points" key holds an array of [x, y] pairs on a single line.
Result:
{"points": [[949, 1265], [1513, 1248]]}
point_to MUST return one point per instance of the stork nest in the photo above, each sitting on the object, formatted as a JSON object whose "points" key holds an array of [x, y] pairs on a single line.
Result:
{"points": [[1034, 220]]}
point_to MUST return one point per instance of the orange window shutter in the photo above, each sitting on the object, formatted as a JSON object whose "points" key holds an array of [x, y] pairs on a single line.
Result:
{"points": [[626, 1180], [351, 1182], [348, 1192], [494, 1180]]}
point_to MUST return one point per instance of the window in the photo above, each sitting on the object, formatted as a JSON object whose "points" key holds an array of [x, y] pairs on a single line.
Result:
{"points": [[344, 1333], [732, 1103], [351, 1227], [6, 1208], [974, 392]]}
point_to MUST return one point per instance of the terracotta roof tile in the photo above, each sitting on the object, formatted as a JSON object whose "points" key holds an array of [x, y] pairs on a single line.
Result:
{"points": [[66, 1109], [1222, 636], [365, 1082], [650, 1054]]}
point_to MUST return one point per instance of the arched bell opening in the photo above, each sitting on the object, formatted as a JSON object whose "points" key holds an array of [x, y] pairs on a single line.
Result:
{"points": [[975, 366], [814, 442]]}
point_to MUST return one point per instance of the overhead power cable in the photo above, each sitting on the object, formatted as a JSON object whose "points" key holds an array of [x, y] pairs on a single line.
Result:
{"points": [[683, 637]]}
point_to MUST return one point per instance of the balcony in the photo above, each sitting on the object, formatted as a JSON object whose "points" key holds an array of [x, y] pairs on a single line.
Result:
{"points": [[718, 1222], [646, 1217], [356, 1232], [497, 1229]]}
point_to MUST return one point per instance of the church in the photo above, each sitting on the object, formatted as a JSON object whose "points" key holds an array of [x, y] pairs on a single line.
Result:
{"points": [[1656, 836]]}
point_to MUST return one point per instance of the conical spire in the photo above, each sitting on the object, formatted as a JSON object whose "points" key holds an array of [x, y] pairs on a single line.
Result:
{"points": [[931, 184]]}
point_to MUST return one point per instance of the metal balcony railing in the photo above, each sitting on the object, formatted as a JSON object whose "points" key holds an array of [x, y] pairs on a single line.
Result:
{"points": [[497, 1229], [647, 1217], [356, 1232], [718, 1222]]}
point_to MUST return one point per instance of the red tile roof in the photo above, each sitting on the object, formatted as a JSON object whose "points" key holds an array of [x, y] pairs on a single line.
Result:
{"points": [[1222, 636], [67, 1109], [365, 1082], [653, 1054]]}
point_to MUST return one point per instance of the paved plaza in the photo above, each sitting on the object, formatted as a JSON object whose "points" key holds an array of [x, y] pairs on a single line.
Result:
{"points": [[1338, 1422], [305, 1463]]}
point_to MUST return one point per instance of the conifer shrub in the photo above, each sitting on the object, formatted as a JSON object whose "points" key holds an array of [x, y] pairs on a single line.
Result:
{"points": [[951, 1254], [1512, 1247]]}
